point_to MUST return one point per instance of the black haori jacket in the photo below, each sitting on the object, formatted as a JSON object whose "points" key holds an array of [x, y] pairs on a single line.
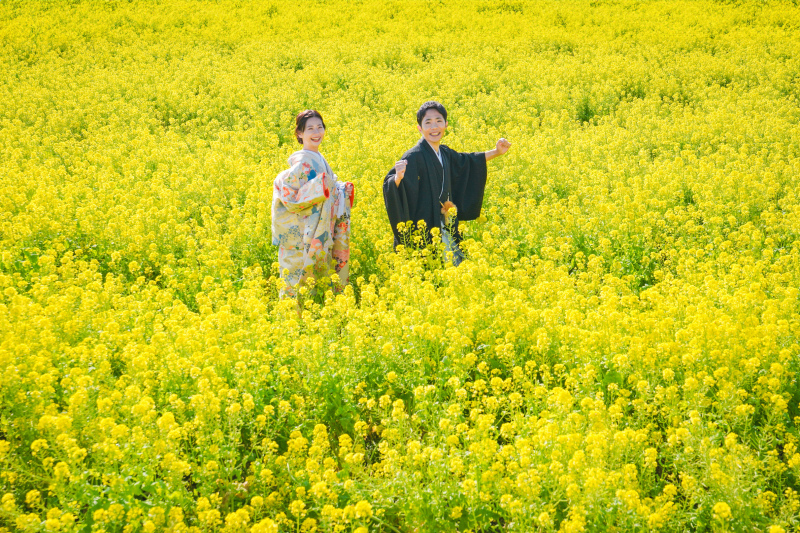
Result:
{"points": [[426, 186]]}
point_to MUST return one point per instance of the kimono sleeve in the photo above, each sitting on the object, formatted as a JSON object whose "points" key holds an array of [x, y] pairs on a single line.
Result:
{"points": [[401, 201], [468, 182], [300, 187]]}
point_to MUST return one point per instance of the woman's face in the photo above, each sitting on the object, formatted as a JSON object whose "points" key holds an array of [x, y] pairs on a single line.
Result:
{"points": [[313, 134]]}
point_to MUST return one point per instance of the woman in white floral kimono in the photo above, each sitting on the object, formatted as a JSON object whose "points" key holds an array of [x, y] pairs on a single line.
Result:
{"points": [[311, 213]]}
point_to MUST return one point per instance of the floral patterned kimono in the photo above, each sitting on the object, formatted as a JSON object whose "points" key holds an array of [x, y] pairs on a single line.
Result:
{"points": [[311, 221]]}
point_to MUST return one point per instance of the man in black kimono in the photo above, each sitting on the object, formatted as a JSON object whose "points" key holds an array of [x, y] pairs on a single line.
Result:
{"points": [[431, 178]]}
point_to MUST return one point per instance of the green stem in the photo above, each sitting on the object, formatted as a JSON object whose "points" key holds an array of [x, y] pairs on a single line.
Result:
{"points": [[387, 525]]}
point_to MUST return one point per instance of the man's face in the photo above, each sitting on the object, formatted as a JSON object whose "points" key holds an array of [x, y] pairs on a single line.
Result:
{"points": [[433, 126]]}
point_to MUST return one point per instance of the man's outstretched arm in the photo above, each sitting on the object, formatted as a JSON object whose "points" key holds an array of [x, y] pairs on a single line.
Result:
{"points": [[500, 148]]}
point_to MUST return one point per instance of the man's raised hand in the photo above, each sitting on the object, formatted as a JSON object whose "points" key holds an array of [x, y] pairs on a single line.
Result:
{"points": [[502, 146], [399, 171]]}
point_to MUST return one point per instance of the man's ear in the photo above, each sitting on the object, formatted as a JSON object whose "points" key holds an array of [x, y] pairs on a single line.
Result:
{"points": [[419, 128]]}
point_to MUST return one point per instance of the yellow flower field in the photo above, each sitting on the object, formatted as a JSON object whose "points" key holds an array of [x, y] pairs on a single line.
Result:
{"points": [[619, 353]]}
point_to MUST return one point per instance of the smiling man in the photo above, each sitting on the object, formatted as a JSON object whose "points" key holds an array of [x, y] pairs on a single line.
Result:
{"points": [[436, 184]]}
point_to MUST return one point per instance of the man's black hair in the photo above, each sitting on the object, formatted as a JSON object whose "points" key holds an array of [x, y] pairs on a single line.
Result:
{"points": [[430, 105]]}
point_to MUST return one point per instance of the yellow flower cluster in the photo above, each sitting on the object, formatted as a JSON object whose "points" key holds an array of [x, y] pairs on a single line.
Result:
{"points": [[620, 351]]}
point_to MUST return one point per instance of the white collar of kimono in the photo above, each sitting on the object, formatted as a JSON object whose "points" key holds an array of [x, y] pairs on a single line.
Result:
{"points": [[439, 155], [437, 152], [316, 154], [325, 164]]}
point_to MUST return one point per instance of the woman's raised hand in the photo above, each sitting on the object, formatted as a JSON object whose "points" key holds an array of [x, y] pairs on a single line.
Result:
{"points": [[399, 171]]}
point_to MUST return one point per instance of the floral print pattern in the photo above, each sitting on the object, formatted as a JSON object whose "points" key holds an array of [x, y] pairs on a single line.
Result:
{"points": [[311, 221]]}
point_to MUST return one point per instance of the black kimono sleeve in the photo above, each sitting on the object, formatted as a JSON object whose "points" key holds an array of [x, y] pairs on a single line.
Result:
{"points": [[401, 202], [468, 182]]}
